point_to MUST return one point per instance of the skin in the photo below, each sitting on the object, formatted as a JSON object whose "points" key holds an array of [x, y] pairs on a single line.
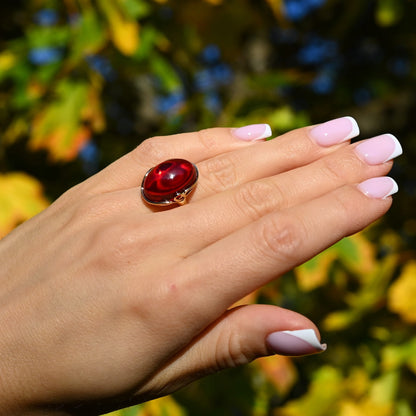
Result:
{"points": [[106, 302]]}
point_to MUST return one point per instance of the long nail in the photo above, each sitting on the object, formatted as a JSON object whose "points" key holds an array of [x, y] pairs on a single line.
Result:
{"points": [[295, 343], [335, 131], [379, 188], [253, 132], [379, 149]]}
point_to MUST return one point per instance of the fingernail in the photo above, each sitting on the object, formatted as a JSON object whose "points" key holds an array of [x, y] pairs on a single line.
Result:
{"points": [[335, 131], [295, 343], [253, 132], [379, 188], [379, 149]]}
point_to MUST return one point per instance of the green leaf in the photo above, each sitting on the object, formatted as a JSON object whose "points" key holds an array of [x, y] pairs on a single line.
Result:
{"points": [[389, 12], [164, 70], [58, 128], [88, 35], [136, 9]]}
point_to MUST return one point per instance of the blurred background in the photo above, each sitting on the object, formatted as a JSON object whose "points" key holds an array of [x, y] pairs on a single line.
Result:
{"points": [[84, 81]]}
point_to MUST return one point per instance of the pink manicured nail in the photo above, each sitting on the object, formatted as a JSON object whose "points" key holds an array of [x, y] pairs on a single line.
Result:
{"points": [[295, 343], [253, 132], [335, 131], [379, 188], [379, 149]]}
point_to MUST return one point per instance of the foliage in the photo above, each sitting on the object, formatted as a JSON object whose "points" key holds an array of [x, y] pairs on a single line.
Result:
{"points": [[84, 81]]}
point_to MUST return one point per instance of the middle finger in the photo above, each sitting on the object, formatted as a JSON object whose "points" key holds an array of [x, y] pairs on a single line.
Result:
{"points": [[215, 217]]}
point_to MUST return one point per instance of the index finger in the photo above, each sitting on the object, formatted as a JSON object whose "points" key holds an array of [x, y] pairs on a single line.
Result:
{"points": [[205, 145], [128, 171]]}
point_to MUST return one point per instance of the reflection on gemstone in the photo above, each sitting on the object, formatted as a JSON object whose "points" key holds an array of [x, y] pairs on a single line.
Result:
{"points": [[169, 182]]}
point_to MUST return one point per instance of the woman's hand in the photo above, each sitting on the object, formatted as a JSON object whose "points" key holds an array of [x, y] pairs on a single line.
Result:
{"points": [[106, 301]]}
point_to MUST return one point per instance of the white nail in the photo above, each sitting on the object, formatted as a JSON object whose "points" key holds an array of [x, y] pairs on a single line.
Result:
{"points": [[355, 129], [397, 148], [309, 336]]}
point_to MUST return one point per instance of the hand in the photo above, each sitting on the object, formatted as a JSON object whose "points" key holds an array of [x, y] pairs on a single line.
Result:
{"points": [[106, 301]]}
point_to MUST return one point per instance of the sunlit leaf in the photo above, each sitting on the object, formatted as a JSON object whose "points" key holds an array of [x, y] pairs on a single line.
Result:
{"points": [[88, 35], [356, 253], [395, 356], [280, 371], [364, 408], [389, 12], [384, 389], [277, 7], [285, 118], [165, 406], [18, 128], [7, 61], [358, 382], [165, 72], [129, 411], [321, 398], [214, 2], [21, 198], [315, 272], [336, 321], [124, 31], [402, 294], [136, 9], [60, 127]]}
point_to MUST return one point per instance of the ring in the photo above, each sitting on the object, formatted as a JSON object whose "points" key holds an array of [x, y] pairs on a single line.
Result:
{"points": [[170, 182]]}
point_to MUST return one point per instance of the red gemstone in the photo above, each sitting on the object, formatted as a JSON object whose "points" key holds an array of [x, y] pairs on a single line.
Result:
{"points": [[168, 181]]}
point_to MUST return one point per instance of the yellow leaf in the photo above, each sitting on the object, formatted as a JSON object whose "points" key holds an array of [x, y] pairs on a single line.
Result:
{"points": [[7, 61], [314, 273], [214, 2], [388, 12], [321, 398], [124, 32], [280, 371], [357, 254], [358, 383], [165, 406], [63, 142], [277, 8], [21, 198], [17, 128], [365, 408], [402, 294], [339, 320]]}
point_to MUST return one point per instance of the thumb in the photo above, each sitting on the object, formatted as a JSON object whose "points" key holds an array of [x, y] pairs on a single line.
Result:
{"points": [[241, 335]]}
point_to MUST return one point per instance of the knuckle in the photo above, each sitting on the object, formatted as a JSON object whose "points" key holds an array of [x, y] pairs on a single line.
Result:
{"points": [[259, 198], [152, 150], [281, 238], [237, 354], [220, 173], [208, 138], [119, 244], [340, 167], [232, 350]]}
